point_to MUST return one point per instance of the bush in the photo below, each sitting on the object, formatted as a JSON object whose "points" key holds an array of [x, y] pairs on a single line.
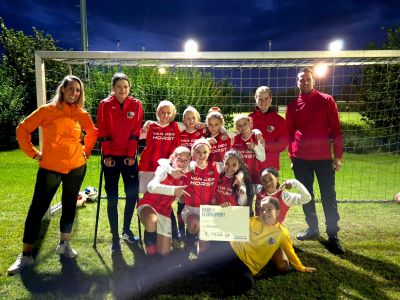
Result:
{"points": [[11, 104]]}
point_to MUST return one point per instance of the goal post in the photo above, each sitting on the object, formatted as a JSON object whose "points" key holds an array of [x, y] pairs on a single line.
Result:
{"points": [[364, 83]]}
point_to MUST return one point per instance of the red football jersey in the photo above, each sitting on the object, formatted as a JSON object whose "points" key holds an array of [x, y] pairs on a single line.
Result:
{"points": [[162, 203], [278, 194], [160, 143], [218, 150], [188, 138], [119, 127], [249, 156], [203, 183], [275, 134], [224, 192]]}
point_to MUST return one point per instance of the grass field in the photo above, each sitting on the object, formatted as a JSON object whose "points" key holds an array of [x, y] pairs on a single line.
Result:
{"points": [[369, 270]]}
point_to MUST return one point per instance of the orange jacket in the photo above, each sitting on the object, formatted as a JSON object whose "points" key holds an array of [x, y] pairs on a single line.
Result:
{"points": [[62, 125]]}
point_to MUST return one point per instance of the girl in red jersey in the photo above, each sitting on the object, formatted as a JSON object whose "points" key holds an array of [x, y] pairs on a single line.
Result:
{"points": [[162, 137], [202, 188], [249, 145], [193, 128], [270, 187], [192, 132], [119, 118], [204, 177], [215, 121], [154, 209], [227, 194], [272, 125], [203, 184]]}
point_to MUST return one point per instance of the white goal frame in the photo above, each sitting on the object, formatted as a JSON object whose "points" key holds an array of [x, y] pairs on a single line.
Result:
{"points": [[264, 59]]}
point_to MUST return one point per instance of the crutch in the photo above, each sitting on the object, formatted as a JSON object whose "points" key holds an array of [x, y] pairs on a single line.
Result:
{"points": [[98, 201]]}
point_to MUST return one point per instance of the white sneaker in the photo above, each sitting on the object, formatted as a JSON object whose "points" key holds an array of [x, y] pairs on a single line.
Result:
{"points": [[20, 264], [66, 250]]}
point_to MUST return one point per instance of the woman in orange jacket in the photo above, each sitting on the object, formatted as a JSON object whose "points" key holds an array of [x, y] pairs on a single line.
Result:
{"points": [[62, 160]]}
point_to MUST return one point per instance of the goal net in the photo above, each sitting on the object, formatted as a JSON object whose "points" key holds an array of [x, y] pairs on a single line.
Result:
{"points": [[365, 85]]}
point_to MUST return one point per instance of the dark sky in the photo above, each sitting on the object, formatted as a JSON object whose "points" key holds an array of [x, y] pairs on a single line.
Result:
{"points": [[217, 25]]}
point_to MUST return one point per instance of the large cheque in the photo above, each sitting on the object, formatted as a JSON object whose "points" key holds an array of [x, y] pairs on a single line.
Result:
{"points": [[224, 223]]}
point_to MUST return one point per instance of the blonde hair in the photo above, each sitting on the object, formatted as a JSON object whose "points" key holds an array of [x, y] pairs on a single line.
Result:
{"points": [[180, 150], [59, 96], [192, 110], [262, 89], [239, 117], [215, 115], [199, 142], [166, 103]]}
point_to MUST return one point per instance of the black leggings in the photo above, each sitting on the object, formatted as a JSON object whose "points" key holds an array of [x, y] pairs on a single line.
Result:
{"points": [[47, 183]]}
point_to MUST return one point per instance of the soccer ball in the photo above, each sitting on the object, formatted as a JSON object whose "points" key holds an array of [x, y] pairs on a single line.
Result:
{"points": [[91, 193], [397, 198], [81, 199]]}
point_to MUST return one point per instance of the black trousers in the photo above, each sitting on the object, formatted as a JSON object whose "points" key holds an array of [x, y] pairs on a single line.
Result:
{"points": [[304, 171], [47, 183], [131, 186]]}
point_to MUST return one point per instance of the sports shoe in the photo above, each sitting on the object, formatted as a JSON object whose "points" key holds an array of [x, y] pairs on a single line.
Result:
{"points": [[334, 246], [177, 244], [181, 234], [115, 246], [151, 250], [66, 250], [20, 263], [129, 237], [309, 234]]}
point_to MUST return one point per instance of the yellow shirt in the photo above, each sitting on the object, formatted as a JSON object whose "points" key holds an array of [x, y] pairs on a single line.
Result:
{"points": [[263, 243]]}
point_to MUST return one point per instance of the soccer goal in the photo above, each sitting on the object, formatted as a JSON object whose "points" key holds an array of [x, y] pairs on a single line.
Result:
{"points": [[365, 85]]}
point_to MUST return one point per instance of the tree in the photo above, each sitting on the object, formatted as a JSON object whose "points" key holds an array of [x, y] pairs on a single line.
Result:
{"points": [[11, 103], [182, 87], [381, 93], [19, 62]]}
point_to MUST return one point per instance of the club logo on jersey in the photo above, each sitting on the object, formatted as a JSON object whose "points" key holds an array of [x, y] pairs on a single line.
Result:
{"points": [[270, 128], [211, 173], [271, 241], [130, 114]]}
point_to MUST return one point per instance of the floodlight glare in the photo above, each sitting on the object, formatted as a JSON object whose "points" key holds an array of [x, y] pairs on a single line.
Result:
{"points": [[321, 70], [336, 46], [191, 47]]}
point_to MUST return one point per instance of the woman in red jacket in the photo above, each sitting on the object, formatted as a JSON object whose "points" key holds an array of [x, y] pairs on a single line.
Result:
{"points": [[62, 160], [119, 119]]}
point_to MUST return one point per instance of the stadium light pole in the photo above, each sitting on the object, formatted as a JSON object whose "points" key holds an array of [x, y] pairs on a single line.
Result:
{"points": [[335, 46], [85, 43], [269, 68]]}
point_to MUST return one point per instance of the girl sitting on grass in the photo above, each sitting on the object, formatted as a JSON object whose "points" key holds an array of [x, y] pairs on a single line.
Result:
{"points": [[238, 262]]}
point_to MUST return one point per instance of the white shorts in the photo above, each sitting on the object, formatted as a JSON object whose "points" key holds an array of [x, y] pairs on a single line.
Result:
{"points": [[144, 179], [189, 210], [163, 223]]}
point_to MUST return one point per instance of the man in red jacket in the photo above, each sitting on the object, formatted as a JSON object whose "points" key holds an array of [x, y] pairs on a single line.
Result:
{"points": [[313, 124]]}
